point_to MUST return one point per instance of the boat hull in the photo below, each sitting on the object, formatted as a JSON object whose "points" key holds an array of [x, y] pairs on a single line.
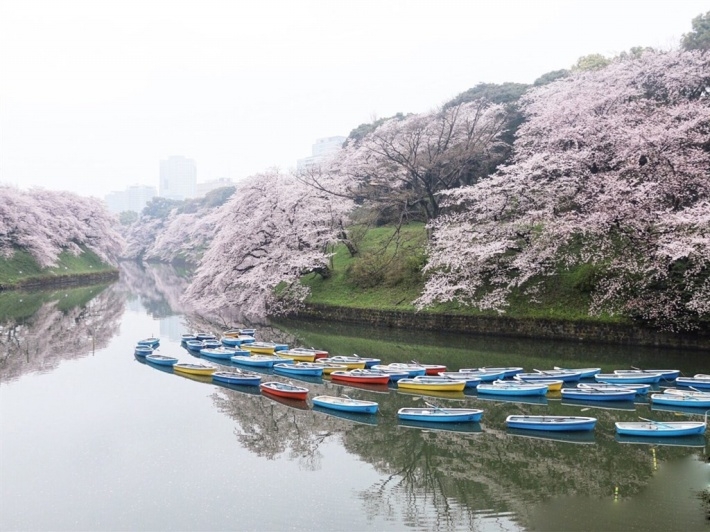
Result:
{"points": [[678, 400], [700, 384], [161, 360], [670, 429], [591, 394], [296, 370], [440, 415], [551, 423], [194, 369], [343, 376], [413, 384], [522, 390], [346, 405], [285, 391], [229, 377]]}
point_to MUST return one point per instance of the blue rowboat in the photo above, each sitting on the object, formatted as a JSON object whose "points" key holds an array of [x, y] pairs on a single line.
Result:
{"points": [[484, 375], [666, 374], [413, 370], [205, 336], [161, 360], [436, 414], [308, 369], [142, 350], [700, 383], [683, 400], [393, 374], [194, 345], [243, 378], [641, 389], [628, 378], [346, 404], [471, 380], [553, 423], [508, 372], [221, 353], [258, 361], [185, 337], [556, 374], [585, 373], [661, 429], [512, 388], [150, 342], [593, 394]]}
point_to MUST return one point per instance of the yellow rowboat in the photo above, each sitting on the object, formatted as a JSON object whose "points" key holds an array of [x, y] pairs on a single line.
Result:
{"points": [[266, 348], [348, 362], [194, 369], [329, 367], [431, 384], [298, 356], [553, 385]]}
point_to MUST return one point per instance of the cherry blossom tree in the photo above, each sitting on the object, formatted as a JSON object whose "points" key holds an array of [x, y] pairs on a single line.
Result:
{"points": [[46, 223], [406, 162], [270, 234], [611, 170]]}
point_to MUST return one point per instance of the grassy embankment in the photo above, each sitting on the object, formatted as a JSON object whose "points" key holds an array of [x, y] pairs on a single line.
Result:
{"points": [[21, 269], [372, 279]]}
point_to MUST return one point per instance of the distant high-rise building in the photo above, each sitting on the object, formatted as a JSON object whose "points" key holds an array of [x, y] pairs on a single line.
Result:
{"points": [[320, 151], [178, 178], [133, 198]]}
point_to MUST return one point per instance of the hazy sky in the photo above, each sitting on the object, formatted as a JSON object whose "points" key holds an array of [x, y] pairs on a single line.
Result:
{"points": [[94, 93]]}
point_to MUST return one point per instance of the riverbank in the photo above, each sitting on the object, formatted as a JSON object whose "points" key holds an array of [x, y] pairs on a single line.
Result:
{"points": [[537, 328], [21, 271]]}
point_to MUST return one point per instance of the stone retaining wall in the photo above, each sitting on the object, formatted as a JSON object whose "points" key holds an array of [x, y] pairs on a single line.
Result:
{"points": [[503, 326]]}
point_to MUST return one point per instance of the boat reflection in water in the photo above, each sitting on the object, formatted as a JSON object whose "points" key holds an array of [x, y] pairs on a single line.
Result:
{"points": [[365, 419], [376, 388], [291, 403], [627, 406], [434, 393], [585, 437], [205, 379], [241, 388], [525, 399], [696, 440], [468, 428]]}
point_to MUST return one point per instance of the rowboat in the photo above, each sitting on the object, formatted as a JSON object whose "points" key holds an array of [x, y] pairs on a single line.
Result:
{"points": [[355, 359], [236, 341], [258, 361], [414, 370], [330, 367], [394, 374], [553, 423], [666, 374], [594, 394], [317, 353], [185, 337], [699, 382], [267, 348], [628, 378], [512, 388], [509, 371], [194, 345], [441, 384], [142, 350], [430, 369], [553, 385], [346, 404], [221, 353], [437, 414], [150, 342], [194, 369], [638, 388], [585, 373], [296, 355], [205, 336], [244, 378], [161, 360], [299, 368], [557, 374], [471, 380], [663, 429], [670, 399], [683, 391], [484, 374], [282, 389], [362, 376]]}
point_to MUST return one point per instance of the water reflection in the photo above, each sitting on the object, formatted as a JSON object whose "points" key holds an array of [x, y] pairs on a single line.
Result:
{"points": [[40, 329], [427, 477]]}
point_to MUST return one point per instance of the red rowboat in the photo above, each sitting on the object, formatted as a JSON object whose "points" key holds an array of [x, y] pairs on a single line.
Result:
{"points": [[281, 389], [360, 376]]}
